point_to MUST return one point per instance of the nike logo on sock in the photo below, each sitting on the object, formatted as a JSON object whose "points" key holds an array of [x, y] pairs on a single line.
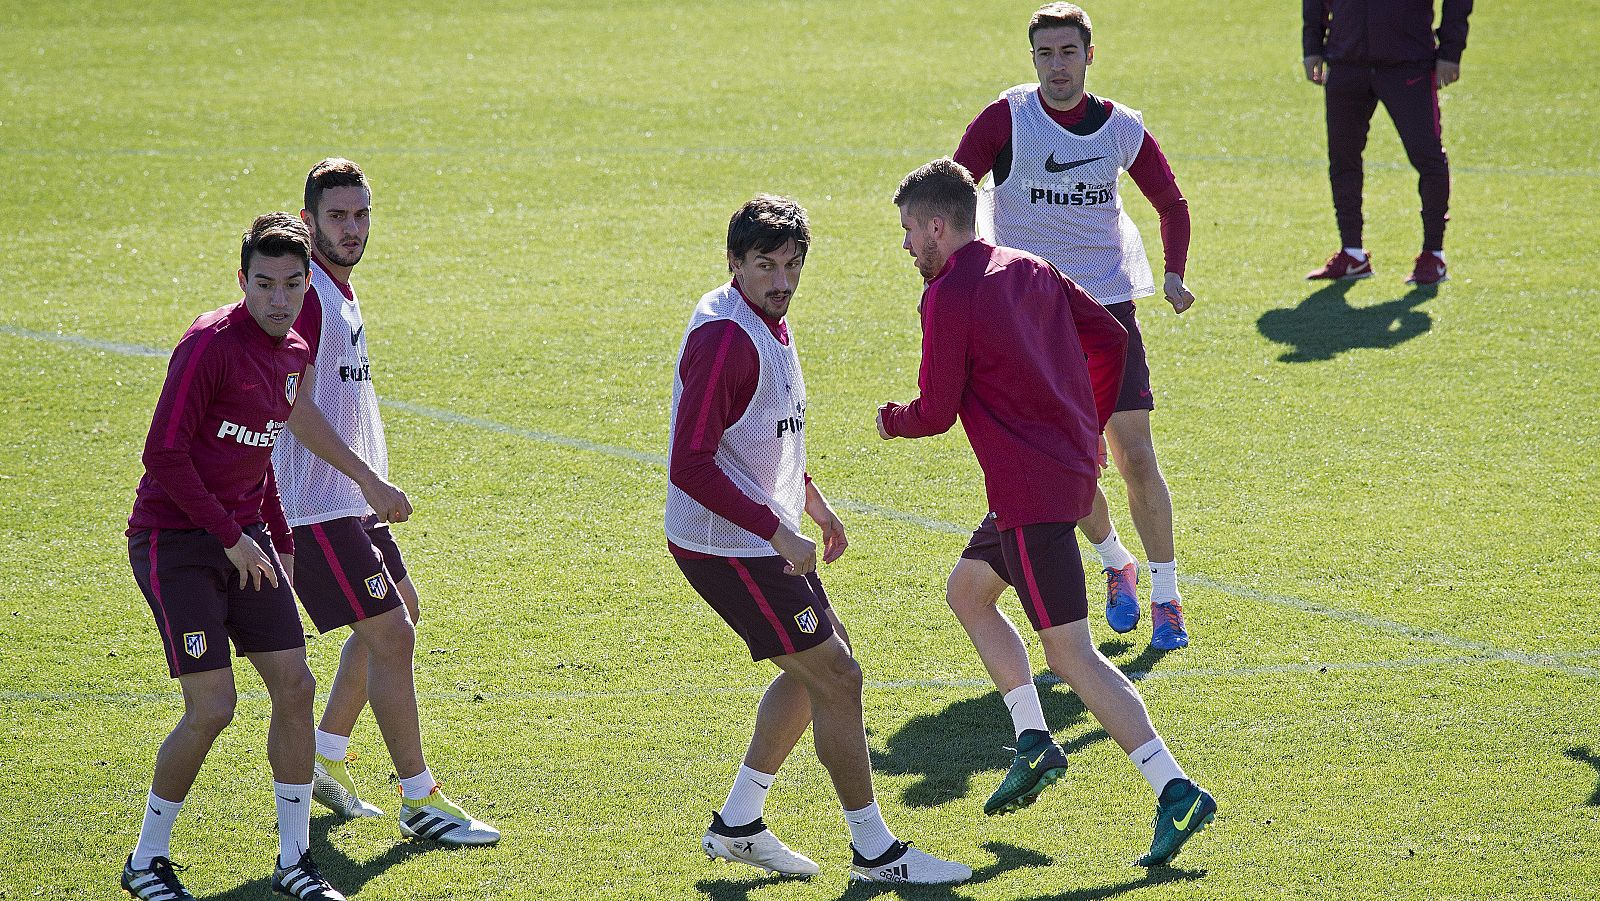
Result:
{"points": [[1148, 759], [156, 812], [290, 800], [763, 787]]}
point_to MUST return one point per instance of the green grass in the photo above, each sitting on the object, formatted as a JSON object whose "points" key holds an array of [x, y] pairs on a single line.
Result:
{"points": [[1385, 501]]}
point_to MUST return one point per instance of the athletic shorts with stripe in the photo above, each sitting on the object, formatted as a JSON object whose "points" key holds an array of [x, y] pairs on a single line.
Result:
{"points": [[1135, 394], [193, 592], [776, 614], [1042, 562], [345, 570]]}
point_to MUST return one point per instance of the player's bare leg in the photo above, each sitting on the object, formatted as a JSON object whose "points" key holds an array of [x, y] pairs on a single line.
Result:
{"points": [[973, 591], [208, 702], [783, 716], [348, 696], [1149, 501], [1104, 690], [389, 641]]}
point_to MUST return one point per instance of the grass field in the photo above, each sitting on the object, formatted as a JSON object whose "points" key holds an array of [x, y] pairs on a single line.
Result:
{"points": [[1385, 498]]}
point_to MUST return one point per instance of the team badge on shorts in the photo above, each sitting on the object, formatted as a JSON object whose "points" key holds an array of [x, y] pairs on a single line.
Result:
{"points": [[377, 586], [291, 385], [807, 621], [194, 644]]}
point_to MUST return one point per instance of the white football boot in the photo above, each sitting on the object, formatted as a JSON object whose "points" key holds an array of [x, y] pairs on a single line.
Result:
{"points": [[903, 863], [332, 787], [440, 819], [756, 846]]}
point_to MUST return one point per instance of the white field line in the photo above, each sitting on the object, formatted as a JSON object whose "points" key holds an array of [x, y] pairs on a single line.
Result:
{"points": [[1412, 633], [1046, 679]]}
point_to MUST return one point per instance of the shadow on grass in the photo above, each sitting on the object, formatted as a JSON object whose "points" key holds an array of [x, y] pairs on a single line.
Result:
{"points": [[1324, 325], [1007, 857], [967, 737], [343, 873], [1584, 755]]}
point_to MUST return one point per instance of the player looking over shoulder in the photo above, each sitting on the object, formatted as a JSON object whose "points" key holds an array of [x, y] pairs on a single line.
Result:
{"points": [[737, 489], [333, 470], [206, 520], [1056, 153], [1030, 364]]}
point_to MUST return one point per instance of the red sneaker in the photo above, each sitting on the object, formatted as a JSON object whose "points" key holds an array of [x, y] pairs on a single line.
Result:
{"points": [[1342, 267], [1429, 270]]}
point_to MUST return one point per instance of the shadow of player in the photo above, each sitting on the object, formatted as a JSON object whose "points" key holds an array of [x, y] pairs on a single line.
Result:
{"points": [[1010, 857], [1584, 755], [1324, 325], [968, 736], [1007, 857], [344, 874]]}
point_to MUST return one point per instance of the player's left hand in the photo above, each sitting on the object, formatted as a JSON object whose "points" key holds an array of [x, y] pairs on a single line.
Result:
{"points": [[287, 562], [882, 431], [1177, 293], [389, 502], [833, 540], [1448, 72]]}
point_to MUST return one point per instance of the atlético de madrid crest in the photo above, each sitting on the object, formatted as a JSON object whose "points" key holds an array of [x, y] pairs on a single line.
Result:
{"points": [[807, 621], [291, 386], [194, 644]]}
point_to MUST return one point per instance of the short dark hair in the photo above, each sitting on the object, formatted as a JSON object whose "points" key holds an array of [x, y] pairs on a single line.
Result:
{"points": [[1061, 15], [941, 188], [276, 235], [333, 172], [766, 223]]}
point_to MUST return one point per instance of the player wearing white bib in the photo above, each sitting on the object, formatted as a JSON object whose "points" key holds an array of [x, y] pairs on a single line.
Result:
{"points": [[1056, 153], [332, 470], [737, 488]]}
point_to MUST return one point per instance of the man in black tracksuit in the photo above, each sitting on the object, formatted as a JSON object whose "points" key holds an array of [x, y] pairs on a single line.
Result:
{"points": [[1366, 51]]}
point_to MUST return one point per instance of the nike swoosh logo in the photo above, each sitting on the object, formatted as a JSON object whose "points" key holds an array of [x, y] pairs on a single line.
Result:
{"points": [[154, 811], [290, 800], [1183, 824], [249, 386], [1035, 763], [1148, 759], [1413, 81], [763, 787], [355, 336], [1050, 164]]}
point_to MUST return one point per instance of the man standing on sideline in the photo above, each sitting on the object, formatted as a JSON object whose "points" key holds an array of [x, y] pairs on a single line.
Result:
{"points": [[205, 517], [1366, 51], [1056, 152], [737, 488], [1030, 364], [332, 469]]}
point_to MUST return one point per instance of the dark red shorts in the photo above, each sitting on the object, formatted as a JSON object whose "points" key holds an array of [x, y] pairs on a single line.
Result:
{"points": [[1045, 568], [342, 570], [1136, 370], [776, 614], [194, 593]]}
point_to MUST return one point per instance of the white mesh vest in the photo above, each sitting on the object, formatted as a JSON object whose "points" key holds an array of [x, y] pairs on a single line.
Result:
{"points": [[1061, 202], [764, 453], [312, 490]]}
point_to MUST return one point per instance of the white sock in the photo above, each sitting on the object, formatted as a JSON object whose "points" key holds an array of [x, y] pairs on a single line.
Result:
{"points": [[868, 832], [415, 788], [1023, 702], [332, 746], [155, 836], [294, 821], [1356, 253], [1439, 254], [1112, 554], [747, 799], [1156, 763], [1164, 582]]}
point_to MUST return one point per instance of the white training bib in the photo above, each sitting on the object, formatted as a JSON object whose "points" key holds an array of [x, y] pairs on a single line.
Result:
{"points": [[1060, 200], [312, 490], [764, 453]]}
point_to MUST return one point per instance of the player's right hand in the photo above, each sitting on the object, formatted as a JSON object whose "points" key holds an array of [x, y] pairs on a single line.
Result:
{"points": [[252, 563], [1316, 69], [799, 551], [389, 502]]}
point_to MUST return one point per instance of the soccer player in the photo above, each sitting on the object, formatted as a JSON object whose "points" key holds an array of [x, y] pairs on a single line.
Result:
{"points": [[1366, 51], [205, 521], [333, 469], [1056, 152], [1030, 364], [737, 488]]}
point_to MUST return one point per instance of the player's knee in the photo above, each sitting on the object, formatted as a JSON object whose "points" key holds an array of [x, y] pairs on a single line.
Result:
{"points": [[841, 678], [209, 716], [1139, 464], [298, 688]]}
